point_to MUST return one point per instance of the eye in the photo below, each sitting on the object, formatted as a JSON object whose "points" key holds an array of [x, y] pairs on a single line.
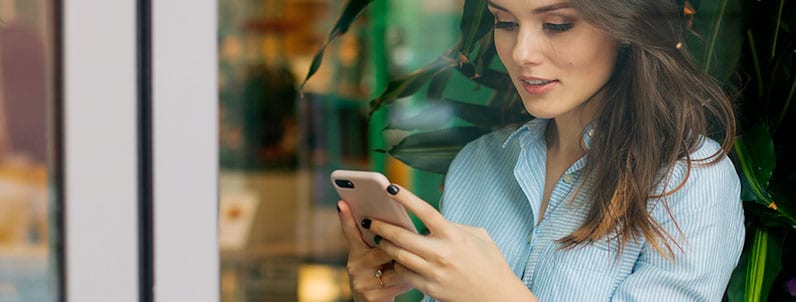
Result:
{"points": [[557, 27], [506, 25]]}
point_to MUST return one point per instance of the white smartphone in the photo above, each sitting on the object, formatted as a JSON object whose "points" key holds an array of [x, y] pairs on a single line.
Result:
{"points": [[366, 194]]}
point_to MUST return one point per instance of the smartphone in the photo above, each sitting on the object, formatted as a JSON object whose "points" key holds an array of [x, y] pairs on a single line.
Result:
{"points": [[366, 194]]}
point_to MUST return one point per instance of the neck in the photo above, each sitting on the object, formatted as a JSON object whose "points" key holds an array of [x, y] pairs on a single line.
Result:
{"points": [[565, 138], [564, 133]]}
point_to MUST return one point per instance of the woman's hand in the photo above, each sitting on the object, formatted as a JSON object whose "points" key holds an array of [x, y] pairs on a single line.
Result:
{"points": [[454, 263], [363, 262]]}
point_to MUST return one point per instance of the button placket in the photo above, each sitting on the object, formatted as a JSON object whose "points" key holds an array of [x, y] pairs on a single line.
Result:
{"points": [[569, 178]]}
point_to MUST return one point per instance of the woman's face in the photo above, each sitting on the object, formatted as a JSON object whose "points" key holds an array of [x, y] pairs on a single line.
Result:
{"points": [[555, 58]]}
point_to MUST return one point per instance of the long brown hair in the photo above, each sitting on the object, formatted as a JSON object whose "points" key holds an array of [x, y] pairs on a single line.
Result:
{"points": [[658, 107]]}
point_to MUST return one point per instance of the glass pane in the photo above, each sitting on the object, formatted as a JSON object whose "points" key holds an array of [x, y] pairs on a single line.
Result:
{"points": [[279, 234], [28, 269], [280, 238]]}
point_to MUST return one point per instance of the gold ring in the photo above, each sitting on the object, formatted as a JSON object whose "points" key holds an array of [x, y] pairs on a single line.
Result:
{"points": [[379, 272]]}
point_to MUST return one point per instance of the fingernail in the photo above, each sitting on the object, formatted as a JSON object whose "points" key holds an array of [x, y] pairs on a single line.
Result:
{"points": [[392, 189], [338, 209], [366, 223], [377, 239]]}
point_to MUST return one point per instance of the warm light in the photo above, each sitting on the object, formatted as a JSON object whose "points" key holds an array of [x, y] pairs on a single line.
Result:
{"points": [[321, 283]]}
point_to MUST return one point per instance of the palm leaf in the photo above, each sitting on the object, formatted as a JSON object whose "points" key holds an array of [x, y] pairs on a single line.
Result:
{"points": [[719, 28], [352, 10], [410, 84], [433, 151], [763, 265]]}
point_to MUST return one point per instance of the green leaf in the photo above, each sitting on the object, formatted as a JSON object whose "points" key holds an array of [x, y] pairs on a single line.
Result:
{"points": [[485, 55], [763, 265], [476, 22], [437, 86], [786, 103], [433, 151], [720, 26], [426, 116], [440, 113], [763, 216], [411, 83], [352, 10], [760, 146], [755, 160], [493, 79], [777, 26]]}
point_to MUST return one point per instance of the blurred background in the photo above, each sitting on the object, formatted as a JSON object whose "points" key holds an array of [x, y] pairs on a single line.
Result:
{"points": [[278, 234], [280, 238], [28, 267]]}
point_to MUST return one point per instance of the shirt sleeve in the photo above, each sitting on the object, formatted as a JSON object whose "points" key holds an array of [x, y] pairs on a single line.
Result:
{"points": [[707, 223]]}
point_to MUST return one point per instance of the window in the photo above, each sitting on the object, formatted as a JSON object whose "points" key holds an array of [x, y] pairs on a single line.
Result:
{"points": [[280, 237], [30, 255]]}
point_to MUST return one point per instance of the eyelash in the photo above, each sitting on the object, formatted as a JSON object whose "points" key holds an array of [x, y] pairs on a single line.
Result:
{"points": [[506, 25], [552, 27], [557, 27]]}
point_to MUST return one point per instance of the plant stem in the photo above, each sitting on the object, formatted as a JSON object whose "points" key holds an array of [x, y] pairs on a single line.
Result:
{"points": [[756, 61], [787, 104], [756, 269], [378, 52], [715, 36], [776, 29]]}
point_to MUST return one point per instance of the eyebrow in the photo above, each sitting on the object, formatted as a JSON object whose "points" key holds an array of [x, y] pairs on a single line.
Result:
{"points": [[538, 10]]}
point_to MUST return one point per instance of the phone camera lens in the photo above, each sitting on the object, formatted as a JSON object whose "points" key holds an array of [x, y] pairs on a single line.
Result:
{"points": [[343, 183]]}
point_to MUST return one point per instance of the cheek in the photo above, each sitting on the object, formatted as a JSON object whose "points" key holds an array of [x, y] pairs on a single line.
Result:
{"points": [[504, 46], [589, 63]]}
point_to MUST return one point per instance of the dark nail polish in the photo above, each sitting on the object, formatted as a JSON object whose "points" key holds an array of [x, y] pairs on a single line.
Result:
{"points": [[393, 261], [377, 239], [392, 189], [338, 209], [366, 223]]}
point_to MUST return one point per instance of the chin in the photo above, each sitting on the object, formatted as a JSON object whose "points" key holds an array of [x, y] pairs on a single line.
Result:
{"points": [[543, 113]]}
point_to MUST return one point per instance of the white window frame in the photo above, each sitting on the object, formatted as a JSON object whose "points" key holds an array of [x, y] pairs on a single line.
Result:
{"points": [[100, 128], [185, 113], [100, 160]]}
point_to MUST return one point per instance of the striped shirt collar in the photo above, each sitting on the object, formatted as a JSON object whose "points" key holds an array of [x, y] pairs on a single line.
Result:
{"points": [[535, 128]]}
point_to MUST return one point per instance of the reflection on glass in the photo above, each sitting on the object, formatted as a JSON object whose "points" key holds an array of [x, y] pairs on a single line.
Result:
{"points": [[26, 80], [280, 238]]}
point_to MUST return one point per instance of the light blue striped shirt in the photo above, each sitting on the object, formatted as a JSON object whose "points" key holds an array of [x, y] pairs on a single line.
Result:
{"points": [[497, 181]]}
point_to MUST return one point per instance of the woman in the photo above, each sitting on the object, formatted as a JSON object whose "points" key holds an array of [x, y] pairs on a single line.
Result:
{"points": [[615, 191]]}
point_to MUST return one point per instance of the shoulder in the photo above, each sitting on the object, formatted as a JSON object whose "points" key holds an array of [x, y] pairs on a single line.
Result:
{"points": [[483, 160], [702, 182], [490, 141], [489, 149]]}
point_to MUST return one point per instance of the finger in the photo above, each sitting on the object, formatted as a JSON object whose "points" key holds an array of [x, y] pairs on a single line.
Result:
{"points": [[405, 257], [368, 262], [350, 229], [424, 211], [390, 278], [480, 233], [412, 278], [417, 244], [368, 280]]}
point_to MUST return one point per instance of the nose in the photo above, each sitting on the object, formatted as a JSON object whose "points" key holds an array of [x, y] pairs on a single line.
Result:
{"points": [[529, 47]]}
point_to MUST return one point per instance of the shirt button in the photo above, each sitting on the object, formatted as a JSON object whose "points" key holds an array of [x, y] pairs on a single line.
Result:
{"points": [[569, 178]]}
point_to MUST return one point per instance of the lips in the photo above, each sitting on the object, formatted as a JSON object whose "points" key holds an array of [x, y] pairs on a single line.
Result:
{"points": [[534, 85]]}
